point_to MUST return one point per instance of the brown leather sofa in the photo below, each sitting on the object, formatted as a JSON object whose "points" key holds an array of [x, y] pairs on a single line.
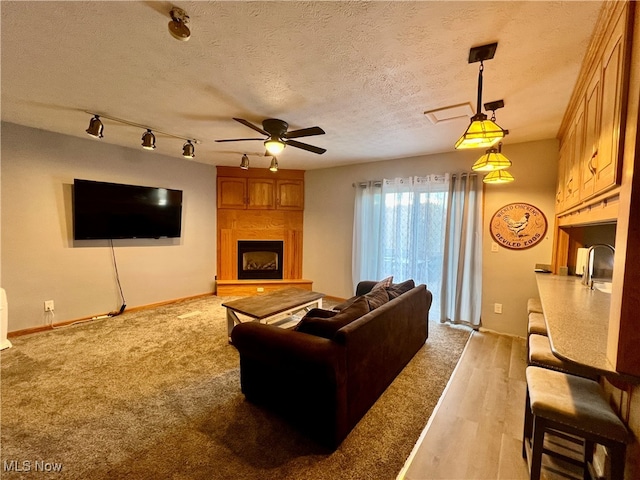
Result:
{"points": [[326, 385]]}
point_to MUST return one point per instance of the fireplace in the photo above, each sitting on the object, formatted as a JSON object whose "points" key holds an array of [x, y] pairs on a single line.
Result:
{"points": [[260, 259]]}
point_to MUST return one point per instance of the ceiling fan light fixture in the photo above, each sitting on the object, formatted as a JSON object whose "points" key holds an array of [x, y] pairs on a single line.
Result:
{"points": [[498, 177], [95, 127], [244, 163], [274, 164], [492, 160], [148, 140], [274, 146], [188, 150]]}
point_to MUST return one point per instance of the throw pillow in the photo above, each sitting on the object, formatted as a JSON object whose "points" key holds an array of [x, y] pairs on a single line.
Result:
{"points": [[377, 297], [398, 289], [384, 283], [327, 327]]}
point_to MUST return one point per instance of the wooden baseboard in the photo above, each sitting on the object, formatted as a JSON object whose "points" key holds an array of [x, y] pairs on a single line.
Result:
{"points": [[44, 328]]}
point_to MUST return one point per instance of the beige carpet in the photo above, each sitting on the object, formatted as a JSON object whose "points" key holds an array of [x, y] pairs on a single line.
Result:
{"points": [[150, 395]]}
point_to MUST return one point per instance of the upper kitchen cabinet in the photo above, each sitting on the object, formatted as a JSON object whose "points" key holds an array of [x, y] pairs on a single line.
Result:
{"points": [[592, 133]]}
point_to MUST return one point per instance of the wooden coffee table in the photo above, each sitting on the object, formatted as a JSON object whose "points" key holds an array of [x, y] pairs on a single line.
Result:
{"points": [[274, 308]]}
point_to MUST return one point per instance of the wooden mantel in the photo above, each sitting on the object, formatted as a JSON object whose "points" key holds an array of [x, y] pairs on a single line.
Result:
{"points": [[258, 204]]}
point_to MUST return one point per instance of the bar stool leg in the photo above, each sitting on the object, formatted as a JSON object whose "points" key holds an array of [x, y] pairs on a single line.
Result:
{"points": [[618, 453], [588, 458], [528, 425], [539, 427]]}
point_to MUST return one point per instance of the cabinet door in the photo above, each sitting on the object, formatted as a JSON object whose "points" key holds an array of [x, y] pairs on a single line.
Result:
{"points": [[562, 160], [591, 134], [290, 195], [575, 142], [261, 194], [232, 192], [607, 161]]}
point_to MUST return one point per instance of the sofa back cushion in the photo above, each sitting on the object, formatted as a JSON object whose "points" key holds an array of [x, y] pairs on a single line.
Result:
{"points": [[397, 289], [327, 327], [377, 297]]}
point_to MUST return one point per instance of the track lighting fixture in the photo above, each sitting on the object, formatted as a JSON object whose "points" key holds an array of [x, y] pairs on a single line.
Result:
{"points": [[274, 164], [244, 163], [188, 150], [274, 146], [492, 160], [482, 132], [95, 127], [148, 140], [178, 24], [498, 176]]}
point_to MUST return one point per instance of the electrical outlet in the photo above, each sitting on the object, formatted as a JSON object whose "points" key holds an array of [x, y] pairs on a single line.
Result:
{"points": [[260, 289], [494, 247], [497, 308], [48, 306]]}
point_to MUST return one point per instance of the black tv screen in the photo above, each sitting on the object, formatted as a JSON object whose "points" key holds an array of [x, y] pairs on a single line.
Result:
{"points": [[109, 210]]}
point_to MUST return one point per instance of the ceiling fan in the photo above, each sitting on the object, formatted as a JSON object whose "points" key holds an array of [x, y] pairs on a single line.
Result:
{"points": [[279, 137]]}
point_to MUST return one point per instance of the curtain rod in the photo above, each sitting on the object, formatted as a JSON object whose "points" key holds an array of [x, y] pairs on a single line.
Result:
{"points": [[378, 183]]}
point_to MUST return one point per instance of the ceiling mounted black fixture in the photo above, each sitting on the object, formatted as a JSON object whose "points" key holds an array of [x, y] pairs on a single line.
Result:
{"points": [[279, 137], [482, 132]]}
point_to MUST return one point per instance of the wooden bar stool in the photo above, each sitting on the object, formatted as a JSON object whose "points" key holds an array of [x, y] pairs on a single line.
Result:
{"points": [[536, 324], [540, 355], [576, 406], [534, 305]]}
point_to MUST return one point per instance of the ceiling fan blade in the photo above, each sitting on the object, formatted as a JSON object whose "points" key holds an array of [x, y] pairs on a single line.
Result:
{"points": [[251, 125], [240, 139], [304, 132], [305, 146]]}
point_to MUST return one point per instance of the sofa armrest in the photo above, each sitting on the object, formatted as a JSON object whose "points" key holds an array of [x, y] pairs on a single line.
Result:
{"points": [[365, 287], [279, 347]]}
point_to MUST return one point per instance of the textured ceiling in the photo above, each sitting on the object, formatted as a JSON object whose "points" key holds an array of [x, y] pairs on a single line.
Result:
{"points": [[363, 71]]}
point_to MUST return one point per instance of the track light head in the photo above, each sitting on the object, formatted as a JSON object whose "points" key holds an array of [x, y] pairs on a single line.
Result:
{"points": [[188, 150], [148, 140], [244, 163], [274, 164], [95, 127], [178, 24]]}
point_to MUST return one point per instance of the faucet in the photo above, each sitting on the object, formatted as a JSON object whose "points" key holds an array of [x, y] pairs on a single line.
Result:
{"points": [[587, 277]]}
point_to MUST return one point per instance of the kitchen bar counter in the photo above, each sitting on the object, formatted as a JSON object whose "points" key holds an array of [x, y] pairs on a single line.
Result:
{"points": [[577, 322]]}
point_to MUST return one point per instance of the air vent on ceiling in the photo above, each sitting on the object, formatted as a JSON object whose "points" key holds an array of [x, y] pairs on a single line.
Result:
{"points": [[449, 113]]}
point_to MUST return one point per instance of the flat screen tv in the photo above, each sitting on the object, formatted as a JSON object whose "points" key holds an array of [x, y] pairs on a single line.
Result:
{"points": [[110, 210]]}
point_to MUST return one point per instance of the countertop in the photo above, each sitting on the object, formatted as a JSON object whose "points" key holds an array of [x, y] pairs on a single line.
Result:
{"points": [[577, 322]]}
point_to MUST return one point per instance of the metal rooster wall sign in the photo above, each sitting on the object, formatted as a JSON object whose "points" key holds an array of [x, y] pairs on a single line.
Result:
{"points": [[518, 226]]}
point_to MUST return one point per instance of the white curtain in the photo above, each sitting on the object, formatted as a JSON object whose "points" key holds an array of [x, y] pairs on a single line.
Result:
{"points": [[461, 293], [399, 230]]}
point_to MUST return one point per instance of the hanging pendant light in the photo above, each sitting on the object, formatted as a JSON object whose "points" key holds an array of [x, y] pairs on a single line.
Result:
{"points": [[244, 163], [498, 176], [492, 160], [188, 150], [274, 165], [148, 140], [481, 132], [95, 127]]}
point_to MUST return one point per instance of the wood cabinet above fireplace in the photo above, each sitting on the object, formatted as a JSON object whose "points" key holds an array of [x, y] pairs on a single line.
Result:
{"points": [[260, 189]]}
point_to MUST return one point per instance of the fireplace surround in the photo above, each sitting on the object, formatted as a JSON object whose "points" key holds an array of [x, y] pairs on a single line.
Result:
{"points": [[260, 259]]}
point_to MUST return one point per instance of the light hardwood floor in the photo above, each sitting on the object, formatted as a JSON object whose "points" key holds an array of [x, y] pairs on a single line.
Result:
{"points": [[476, 430]]}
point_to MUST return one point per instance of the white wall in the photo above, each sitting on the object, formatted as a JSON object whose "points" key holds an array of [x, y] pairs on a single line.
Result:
{"points": [[40, 260], [507, 275]]}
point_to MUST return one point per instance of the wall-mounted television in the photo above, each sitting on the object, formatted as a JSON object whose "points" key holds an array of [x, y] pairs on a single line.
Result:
{"points": [[104, 210]]}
